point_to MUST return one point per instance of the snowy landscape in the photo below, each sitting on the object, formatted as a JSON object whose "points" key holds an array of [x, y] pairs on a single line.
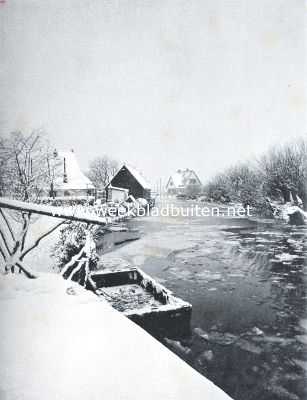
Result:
{"points": [[215, 255], [153, 200]]}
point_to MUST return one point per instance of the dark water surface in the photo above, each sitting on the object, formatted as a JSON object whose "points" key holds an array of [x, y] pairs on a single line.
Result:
{"points": [[246, 281]]}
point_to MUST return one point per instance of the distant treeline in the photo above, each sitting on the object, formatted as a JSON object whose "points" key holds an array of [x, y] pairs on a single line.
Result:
{"points": [[278, 175]]}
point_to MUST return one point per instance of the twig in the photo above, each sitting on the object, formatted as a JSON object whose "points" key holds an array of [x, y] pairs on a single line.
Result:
{"points": [[3, 253], [28, 273], [7, 224], [2, 234], [76, 269], [26, 218], [72, 261], [87, 270], [36, 243]]}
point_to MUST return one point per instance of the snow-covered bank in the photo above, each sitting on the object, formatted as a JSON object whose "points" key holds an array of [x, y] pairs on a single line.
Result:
{"points": [[289, 212], [59, 341], [293, 214]]}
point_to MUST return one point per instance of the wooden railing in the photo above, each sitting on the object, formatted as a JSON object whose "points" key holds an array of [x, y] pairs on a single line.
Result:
{"points": [[13, 247]]}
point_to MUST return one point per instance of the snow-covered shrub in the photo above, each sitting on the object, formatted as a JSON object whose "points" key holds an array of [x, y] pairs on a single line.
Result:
{"points": [[66, 202], [71, 241], [142, 202]]}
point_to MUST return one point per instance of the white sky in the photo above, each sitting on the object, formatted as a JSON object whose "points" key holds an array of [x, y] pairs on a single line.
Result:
{"points": [[160, 84]]}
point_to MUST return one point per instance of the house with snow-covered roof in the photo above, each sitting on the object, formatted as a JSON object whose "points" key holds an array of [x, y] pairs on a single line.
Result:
{"points": [[183, 181], [129, 178], [69, 180]]}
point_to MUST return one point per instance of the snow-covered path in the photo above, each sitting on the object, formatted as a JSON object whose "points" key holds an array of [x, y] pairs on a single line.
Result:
{"points": [[59, 341]]}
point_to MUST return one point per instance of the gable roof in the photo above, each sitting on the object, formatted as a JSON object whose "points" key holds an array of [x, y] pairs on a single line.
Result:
{"points": [[75, 177], [180, 177], [137, 175], [177, 179]]}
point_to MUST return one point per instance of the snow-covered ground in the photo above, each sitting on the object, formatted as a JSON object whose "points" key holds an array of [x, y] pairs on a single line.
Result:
{"points": [[59, 341]]}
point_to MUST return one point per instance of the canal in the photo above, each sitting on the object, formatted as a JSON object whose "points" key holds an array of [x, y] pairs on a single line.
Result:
{"points": [[246, 281]]}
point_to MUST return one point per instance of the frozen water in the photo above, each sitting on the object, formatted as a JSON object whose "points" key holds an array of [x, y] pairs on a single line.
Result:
{"points": [[247, 285]]}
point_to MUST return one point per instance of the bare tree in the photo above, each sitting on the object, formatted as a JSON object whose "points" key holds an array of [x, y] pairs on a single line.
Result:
{"points": [[101, 170], [25, 165], [5, 156]]}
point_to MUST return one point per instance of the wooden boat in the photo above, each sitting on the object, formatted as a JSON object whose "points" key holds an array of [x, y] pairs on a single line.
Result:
{"points": [[144, 301]]}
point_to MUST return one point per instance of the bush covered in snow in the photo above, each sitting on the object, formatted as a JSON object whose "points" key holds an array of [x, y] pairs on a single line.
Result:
{"points": [[280, 175], [142, 202], [68, 201], [72, 239]]}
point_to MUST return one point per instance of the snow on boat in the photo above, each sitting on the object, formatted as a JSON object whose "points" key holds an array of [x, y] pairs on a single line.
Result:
{"points": [[144, 301]]}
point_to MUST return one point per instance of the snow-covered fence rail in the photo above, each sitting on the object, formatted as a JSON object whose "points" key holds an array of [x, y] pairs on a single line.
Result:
{"points": [[12, 245], [67, 213]]}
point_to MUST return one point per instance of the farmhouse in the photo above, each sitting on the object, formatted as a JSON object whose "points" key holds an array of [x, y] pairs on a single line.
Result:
{"points": [[129, 178], [183, 181], [69, 180]]}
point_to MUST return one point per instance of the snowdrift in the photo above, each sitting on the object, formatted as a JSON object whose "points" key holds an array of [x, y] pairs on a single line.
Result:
{"points": [[59, 341]]}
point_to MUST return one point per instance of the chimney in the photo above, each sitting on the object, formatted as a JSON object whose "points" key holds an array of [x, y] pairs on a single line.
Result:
{"points": [[65, 174]]}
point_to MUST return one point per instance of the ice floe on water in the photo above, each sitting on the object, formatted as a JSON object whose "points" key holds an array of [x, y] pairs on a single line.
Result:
{"points": [[286, 257], [247, 288], [303, 323]]}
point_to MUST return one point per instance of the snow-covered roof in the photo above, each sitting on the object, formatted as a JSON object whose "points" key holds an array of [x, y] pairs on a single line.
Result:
{"points": [[177, 179], [75, 177], [138, 176], [181, 176]]}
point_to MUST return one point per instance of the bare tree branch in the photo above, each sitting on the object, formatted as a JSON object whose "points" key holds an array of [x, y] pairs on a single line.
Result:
{"points": [[5, 241], [80, 264], [26, 218], [24, 170], [72, 261], [7, 223], [101, 170], [3, 253], [36, 243], [26, 271]]}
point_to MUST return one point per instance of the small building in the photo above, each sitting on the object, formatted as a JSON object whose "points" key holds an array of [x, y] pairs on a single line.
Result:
{"points": [[117, 194], [127, 177], [183, 182], [69, 180]]}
